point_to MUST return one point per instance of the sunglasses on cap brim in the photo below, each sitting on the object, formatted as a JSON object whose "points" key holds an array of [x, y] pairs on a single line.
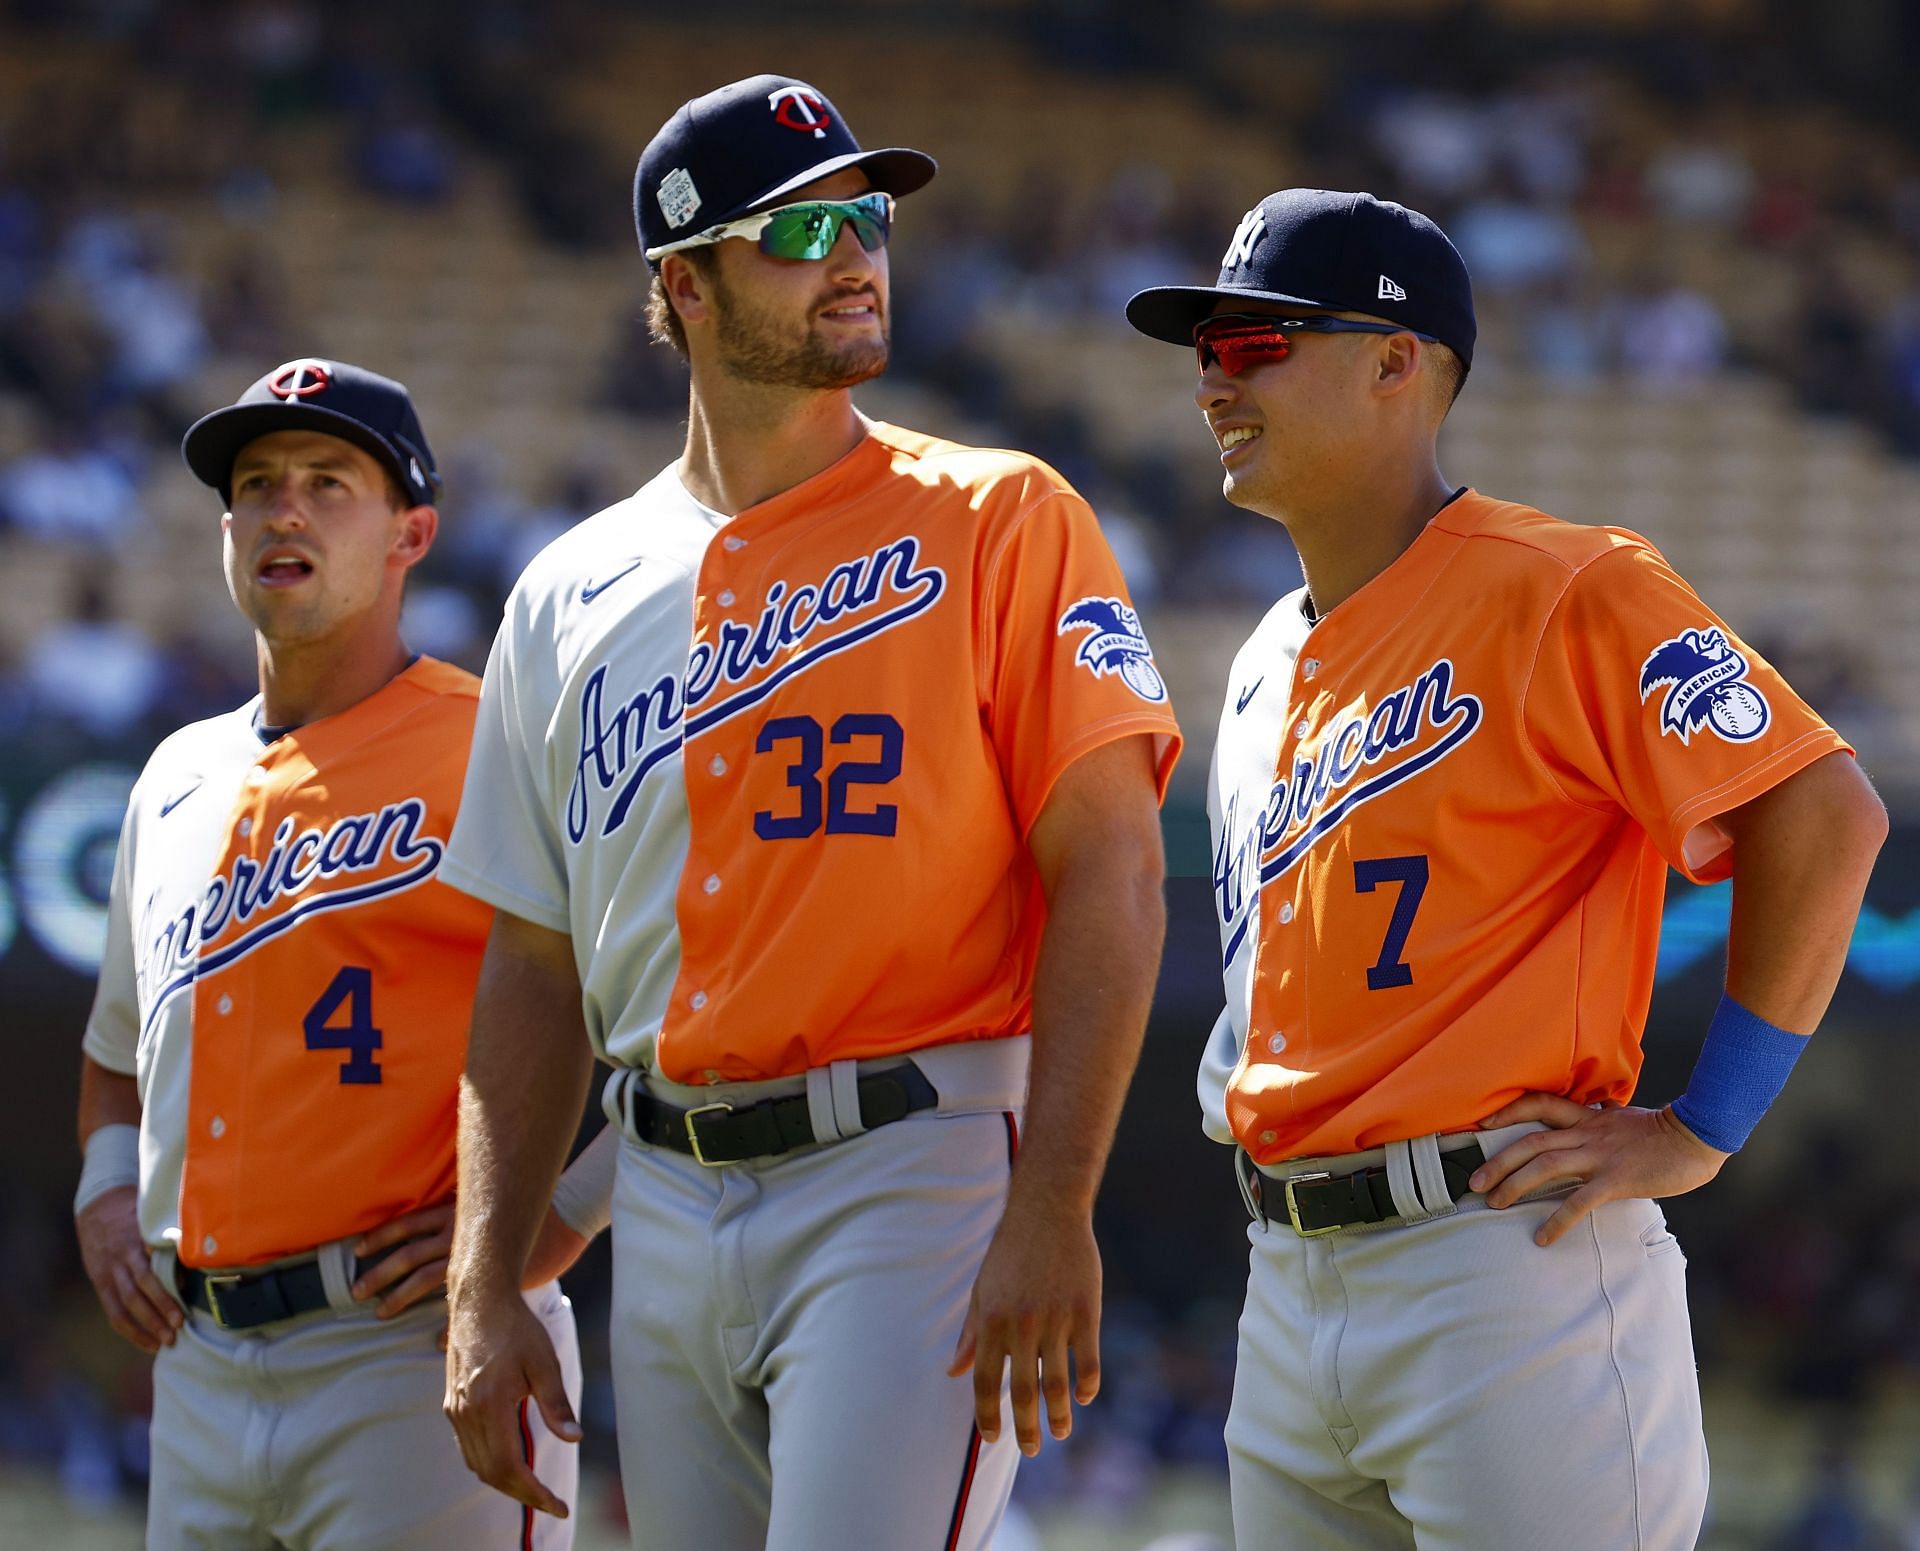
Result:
{"points": [[807, 230], [1238, 340]]}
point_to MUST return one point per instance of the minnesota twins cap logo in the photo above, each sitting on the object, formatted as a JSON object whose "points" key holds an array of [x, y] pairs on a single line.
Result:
{"points": [[801, 108], [300, 379], [1117, 644], [1708, 676]]}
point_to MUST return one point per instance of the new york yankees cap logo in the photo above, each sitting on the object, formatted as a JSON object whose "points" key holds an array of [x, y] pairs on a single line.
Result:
{"points": [[748, 146], [1334, 252], [372, 412]]}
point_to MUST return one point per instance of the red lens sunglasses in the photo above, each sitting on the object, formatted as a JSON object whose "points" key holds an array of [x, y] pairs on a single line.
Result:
{"points": [[1238, 340]]}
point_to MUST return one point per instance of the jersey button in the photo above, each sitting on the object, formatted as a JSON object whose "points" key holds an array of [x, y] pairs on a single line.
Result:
{"points": [[1266, 1137], [1301, 729], [246, 828], [1286, 913], [734, 543], [712, 885], [1277, 1044], [209, 1245], [699, 1000], [219, 1127], [225, 1004], [1310, 667], [717, 766], [726, 599], [257, 776], [713, 1074]]}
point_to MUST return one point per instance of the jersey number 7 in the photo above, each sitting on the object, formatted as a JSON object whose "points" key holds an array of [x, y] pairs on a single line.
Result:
{"points": [[1410, 872]]}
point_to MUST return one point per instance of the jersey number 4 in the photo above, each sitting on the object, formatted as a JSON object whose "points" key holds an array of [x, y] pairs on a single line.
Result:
{"points": [[1410, 872], [804, 776], [350, 994]]}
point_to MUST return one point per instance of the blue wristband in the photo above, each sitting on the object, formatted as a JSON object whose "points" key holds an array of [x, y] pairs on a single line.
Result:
{"points": [[1743, 1065]]}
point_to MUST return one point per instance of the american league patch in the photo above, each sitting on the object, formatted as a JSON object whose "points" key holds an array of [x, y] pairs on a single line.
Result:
{"points": [[1707, 676], [1116, 644]]}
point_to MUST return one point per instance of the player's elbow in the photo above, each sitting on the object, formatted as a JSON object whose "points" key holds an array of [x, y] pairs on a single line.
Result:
{"points": [[1854, 815]]}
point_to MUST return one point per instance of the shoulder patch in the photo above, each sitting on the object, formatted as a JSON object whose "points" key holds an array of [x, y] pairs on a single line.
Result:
{"points": [[1709, 688], [1115, 644]]}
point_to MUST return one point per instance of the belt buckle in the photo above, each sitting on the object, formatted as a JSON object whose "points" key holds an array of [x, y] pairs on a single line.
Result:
{"points": [[693, 1136], [1287, 1187], [213, 1282]]}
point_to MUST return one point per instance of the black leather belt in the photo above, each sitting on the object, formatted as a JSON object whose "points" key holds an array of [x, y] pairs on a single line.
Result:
{"points": [[723, 1133], [245, 1300], [1322, 1203]]}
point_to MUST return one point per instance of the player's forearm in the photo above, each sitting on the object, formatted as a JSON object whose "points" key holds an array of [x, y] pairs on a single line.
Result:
{"points": [[1093, 987], [1802, 856], [528, 1062], [107, 1098]]}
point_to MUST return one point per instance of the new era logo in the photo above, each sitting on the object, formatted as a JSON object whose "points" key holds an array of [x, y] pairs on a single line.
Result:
{"points": [[1253, 226], [1389, 292]]}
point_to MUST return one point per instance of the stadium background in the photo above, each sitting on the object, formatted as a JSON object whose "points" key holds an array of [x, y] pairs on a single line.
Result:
{"points": [[1695, 234]]}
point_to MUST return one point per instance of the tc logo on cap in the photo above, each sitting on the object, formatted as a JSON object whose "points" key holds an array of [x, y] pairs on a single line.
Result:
{"points": [[299, 380], [1253, 226], [801, 108]]}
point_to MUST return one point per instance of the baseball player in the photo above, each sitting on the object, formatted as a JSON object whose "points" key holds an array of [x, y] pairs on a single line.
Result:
{"points": [[268, 1092], [1452, 771], [815, 785]]}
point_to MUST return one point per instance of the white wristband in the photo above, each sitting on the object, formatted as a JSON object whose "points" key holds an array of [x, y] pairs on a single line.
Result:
{"points": [[584, 1196], [112, 1160]]}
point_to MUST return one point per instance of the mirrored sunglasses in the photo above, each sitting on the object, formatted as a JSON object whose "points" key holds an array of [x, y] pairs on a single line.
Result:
{"points": [[807, 230], [1238, 340]]}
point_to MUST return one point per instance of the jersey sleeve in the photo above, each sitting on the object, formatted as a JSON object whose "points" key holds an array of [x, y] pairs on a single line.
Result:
{"points": [[1641, 697], [506, 845], [1064, 666], [113, 1027]]}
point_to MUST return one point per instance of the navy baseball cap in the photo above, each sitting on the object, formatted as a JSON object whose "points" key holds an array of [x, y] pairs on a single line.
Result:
{"points": [[1339, 252], [746, 146], [350, 402]]}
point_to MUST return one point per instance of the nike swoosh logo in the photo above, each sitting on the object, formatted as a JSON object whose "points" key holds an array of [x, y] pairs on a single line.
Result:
{"points": [[593, 589], [173, 802], [1247, 694]]}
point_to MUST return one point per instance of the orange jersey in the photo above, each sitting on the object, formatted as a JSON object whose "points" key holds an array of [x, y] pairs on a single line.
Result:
{"points": [[307, 1008], [1449, 890], [775, 773]]}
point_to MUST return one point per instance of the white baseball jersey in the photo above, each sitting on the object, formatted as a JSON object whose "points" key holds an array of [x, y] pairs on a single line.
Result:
{"points": [[729, 756], [284, 975], [175, 830], [1241, 786]]}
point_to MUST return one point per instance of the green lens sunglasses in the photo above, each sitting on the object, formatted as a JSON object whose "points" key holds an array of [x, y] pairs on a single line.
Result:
{"points": [[807, 230]]}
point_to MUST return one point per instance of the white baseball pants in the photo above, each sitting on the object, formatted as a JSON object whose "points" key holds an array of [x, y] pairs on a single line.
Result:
{"points": [[1447, 1384], [781, 1334], [324, 1433]]}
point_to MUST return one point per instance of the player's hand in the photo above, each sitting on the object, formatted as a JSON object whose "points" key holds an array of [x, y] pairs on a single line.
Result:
{"points": [[1612, 1154], [136, 1304], [1035, 1303], [498, 1355], [414, 1271]]}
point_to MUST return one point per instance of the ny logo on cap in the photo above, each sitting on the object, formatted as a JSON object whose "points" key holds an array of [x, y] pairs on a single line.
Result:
{"points": [[300, 379], [1389, 292], [801, 108], [1253, 226]]}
